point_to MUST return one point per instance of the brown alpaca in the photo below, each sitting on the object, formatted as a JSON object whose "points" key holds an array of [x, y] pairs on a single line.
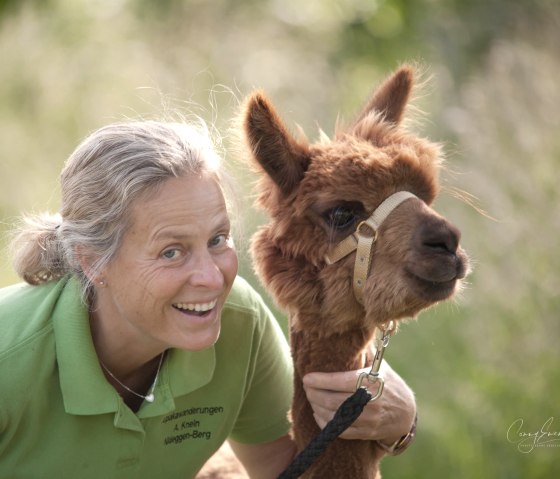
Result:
{"points": [[316, 195]]}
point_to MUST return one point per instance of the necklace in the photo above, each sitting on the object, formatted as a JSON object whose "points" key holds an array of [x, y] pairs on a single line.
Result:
{"points": [[150, 396]]}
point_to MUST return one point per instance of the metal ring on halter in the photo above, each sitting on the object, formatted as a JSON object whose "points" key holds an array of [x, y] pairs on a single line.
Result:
{"points": [[365, 223]]}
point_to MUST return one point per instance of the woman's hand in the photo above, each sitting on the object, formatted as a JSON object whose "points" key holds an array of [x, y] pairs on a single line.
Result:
{"points": [[386, 419]]}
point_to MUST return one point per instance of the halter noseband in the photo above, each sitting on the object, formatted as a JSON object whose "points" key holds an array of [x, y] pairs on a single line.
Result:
{"points": [[363, 239]]}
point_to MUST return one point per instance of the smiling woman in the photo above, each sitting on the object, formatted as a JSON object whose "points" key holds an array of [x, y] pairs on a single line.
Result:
{"points": [[132, 313], [168, 282]]}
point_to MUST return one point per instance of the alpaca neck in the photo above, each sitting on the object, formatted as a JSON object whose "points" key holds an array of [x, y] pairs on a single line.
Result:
{"points": [[312, 351]]}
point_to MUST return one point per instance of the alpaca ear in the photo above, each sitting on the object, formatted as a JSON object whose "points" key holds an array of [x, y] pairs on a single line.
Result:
{"points": [[391, 98], [281, 156]]}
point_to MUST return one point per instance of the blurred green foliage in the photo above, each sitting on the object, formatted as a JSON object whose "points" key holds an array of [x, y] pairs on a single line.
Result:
{"points": [[476, 365]]}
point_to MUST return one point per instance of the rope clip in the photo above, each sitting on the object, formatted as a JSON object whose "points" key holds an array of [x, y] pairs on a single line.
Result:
{"points": [[382, 337]]}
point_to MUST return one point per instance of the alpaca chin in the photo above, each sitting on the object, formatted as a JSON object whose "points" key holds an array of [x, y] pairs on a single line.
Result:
{"points": [[438, 277], [432, 291]]}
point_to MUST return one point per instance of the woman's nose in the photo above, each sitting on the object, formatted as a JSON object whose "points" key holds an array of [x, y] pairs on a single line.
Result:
{"points": [[204, 271]]}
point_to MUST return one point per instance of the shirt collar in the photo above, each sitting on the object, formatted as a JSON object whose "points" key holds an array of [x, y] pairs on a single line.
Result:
{"points": [[84, 387]]}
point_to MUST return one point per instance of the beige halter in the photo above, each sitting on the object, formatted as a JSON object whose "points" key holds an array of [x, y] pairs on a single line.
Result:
{"points": [[363, 239]]}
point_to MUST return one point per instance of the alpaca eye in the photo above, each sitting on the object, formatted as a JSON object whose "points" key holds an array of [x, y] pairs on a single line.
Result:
{"points": [[340, 218]]}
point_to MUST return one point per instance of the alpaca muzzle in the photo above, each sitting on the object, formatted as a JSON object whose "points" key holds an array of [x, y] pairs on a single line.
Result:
{"points": [[363, 240]]}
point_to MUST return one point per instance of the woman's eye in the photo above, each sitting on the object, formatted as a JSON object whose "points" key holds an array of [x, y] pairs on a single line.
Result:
{"points": [[171, 254], [219, 240], [340, 218]]}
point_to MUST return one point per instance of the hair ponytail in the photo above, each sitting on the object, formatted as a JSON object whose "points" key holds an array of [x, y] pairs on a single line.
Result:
{"points": [[36, 249]]}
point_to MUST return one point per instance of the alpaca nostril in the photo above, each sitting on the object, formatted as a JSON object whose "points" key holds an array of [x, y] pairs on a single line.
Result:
{"points": [[440, 237], [441, 247]]}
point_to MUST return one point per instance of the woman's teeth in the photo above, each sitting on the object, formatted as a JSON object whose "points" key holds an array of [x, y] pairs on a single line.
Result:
{"points": [[198, 307]]}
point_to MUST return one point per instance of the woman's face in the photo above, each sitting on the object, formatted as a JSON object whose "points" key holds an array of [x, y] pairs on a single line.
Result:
{"points": [[176, 265]]}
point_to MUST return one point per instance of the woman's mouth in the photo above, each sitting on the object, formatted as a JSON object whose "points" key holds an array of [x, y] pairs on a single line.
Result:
{"points": [[197, 309]]}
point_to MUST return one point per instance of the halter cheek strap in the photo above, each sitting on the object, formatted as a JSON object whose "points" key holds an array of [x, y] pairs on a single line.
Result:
{"points": [[363, 239]]}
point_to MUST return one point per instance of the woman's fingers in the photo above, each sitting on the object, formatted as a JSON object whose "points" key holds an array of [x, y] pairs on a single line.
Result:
{"points": [[385, 419]]}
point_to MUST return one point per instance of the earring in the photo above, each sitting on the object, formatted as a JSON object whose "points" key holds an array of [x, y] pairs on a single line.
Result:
{"points": [[101, 283]]}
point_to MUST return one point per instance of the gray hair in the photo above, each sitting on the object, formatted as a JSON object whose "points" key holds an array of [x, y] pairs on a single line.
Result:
{"points": [[108, 171]]}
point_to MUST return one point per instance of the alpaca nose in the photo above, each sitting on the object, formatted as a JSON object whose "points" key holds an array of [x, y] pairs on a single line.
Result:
{"points": [[437, 235], [436, 256]]}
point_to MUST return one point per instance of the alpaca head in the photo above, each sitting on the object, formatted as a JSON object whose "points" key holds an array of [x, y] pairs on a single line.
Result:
{"points": [[318, 194]]}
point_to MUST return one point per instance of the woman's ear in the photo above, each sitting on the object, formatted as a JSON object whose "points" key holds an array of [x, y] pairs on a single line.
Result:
{"points": [[86, 259]]}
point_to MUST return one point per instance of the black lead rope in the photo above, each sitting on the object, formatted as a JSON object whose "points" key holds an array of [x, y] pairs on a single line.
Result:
{"points": [[345, 415]]}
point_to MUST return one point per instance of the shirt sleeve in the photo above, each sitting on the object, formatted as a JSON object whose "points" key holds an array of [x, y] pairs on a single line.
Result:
{"points": [[264, 414]]}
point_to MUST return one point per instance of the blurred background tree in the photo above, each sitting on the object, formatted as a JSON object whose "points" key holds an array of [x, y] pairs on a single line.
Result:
{"points": [[478, 365]]}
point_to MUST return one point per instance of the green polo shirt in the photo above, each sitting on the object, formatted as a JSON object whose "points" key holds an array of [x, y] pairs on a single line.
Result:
{"points": [[60, 418]]}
